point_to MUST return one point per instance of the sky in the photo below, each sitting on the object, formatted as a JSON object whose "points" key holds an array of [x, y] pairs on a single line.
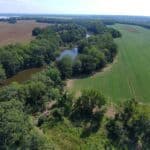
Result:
{"points": [[101, 7]]}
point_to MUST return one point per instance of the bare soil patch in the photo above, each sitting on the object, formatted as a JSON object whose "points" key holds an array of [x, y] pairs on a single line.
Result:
{"points": [[111, 111], [131, 29], [69, 83], [21, 32]]}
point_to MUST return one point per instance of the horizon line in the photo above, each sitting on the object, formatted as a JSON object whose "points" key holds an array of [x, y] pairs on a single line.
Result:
{"points": [[73, 14]]}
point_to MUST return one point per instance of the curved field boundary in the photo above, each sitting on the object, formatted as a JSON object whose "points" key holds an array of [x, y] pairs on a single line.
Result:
{"points": [[129, 77]]}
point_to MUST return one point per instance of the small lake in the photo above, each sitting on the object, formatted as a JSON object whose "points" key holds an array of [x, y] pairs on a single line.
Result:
{"points": [[88, 35], [71, 53], [25, 75], [22, 76]]}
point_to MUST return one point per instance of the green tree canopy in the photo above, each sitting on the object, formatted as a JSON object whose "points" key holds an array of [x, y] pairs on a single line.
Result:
{"points": [[88, 111], [2, 74], [130, 129], [14, 124], [65, 67]]}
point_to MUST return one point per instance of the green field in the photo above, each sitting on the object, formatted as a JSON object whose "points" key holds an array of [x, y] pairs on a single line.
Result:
{"points": [[129, 76]]}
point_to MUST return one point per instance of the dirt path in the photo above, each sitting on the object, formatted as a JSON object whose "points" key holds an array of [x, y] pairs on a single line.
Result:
{"points": [[70, 83], [110, 112]]}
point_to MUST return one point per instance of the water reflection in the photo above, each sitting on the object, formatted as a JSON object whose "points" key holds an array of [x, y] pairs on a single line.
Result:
{"points": [[27, 74], [72, 53], [22, 76]]}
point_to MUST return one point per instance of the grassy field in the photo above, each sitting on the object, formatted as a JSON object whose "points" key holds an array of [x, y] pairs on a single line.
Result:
{"points": [[21, 32], [129, 75]]}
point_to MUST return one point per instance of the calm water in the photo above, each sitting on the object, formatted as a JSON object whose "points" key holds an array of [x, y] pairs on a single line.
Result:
{"points": [[71, 53], [7, 17], [27, 74], [23, 75], [88, 35], [4, 17]]}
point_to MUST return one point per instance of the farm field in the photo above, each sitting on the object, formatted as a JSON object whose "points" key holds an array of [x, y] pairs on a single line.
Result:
{"points": [[21, 32], [129, 75]]}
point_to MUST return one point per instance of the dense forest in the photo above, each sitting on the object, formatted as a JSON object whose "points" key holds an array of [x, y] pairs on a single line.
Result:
{"points": [[143, 21], [46, 47], [39, 52], [42, 103], [29, 111]]}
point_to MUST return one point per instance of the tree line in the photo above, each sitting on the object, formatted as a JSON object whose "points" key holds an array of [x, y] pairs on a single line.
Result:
{"points": [[42, 102], [27, 109], [18, 105], [46, 47], [39, 52], [94, 52], [43, 50]]}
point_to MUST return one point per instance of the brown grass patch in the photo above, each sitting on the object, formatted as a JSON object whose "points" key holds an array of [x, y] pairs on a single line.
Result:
{"points": [[131, 29], [69, 83], [111, 111], [21, 32]]}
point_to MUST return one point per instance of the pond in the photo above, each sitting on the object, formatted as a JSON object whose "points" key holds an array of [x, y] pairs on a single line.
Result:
{"points": [[88, 35], [71, 53], [22, 76], [25, 75]]}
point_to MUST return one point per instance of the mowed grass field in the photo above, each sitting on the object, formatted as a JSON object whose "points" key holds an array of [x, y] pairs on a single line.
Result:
{"points": [[129, 75], [21, 32]]}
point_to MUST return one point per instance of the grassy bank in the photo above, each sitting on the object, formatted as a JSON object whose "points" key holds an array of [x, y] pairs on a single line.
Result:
{"points": [[129, 76]]}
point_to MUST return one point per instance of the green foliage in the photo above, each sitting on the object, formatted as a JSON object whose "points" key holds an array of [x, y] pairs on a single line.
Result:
{"points": [[129, 74], [16, 130], [10, 92], [55, 76], [2, 74], [11, 57], [14, 124], [86, 103], [96, 27], [70, 33], [65, 67], [65, 103], [95, 52], [36, 31], [56, 111], [88, 64], [88, 111], [44, 97], [115, 33], [37, 141], [43, 50], [77, 67], [34, 96], [50, 118], [130, 129], [44, 87], [33, 93]]}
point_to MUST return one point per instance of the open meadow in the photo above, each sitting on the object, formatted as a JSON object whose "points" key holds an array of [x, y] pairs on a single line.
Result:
{"points": [[21, 32], [129, 75]]}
